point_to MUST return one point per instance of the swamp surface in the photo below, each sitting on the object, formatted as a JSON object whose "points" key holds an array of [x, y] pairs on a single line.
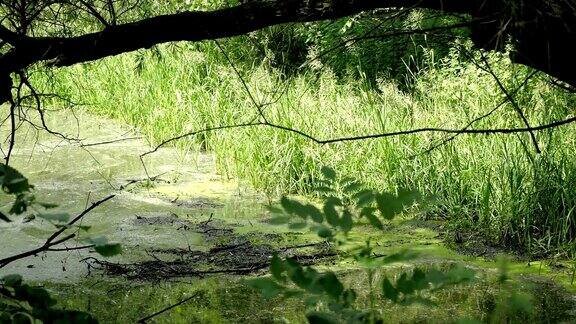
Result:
{"points": [[187, 233]]}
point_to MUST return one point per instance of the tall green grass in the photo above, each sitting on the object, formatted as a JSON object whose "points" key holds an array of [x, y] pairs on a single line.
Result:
{"points": [[495, 184]]}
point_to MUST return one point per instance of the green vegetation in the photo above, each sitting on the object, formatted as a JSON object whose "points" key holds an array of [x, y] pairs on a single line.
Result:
{"points": [[496, 184], [22, 303], [345, 203], [345, 115], [412, 296], [348, 203]]}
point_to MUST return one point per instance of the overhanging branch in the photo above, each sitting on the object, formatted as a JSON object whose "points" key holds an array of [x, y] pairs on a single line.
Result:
{"points": [[543, 49]]}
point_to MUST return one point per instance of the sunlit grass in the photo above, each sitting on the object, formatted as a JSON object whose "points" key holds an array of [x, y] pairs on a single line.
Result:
{"points": [[493, 183]]}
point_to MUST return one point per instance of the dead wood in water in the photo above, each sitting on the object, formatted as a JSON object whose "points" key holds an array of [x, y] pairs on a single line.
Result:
{"points": [[238, 257]]}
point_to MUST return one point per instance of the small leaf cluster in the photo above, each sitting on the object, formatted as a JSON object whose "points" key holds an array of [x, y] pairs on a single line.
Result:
{"points": [[22, 303], [408, 289], [343, 200], [16, 184], [345, 203], [307, 279]]}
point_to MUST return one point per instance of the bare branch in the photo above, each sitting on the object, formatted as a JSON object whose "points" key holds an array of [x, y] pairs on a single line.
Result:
{"points": [[512, 102], [160, 312], [54, 239], [479, 118]]}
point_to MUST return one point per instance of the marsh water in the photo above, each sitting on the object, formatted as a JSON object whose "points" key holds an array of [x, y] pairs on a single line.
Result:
{"points": [[187, 231]]}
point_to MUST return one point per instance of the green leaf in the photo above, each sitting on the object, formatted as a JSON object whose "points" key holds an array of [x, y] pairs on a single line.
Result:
{"points": [[346, 222], [293, 207], [303, 278], [301, 210], [352, 187], [405, 285], [297, 226], [13, 182], [332, 286], [99, 240], [388, 290], [364, 197], [330, 212], [324, 232], [419, 279], [459, 274], [47, 205], [382, 202], [407, 197], [108, 250], [35, 296], [313, 213], [274, 210], [328, 173], [268, 287], [280, 220], [405, 255], [20, 204], [277, 267], [321, 318], [369, 214], [12, 280]]}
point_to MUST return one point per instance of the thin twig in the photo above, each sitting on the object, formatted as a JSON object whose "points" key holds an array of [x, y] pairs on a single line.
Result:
{"points": [[479, 118], [111, 141], [12, 131], [486, 131], [53, 240], [513, 102], [244, 84], [145, 319]]}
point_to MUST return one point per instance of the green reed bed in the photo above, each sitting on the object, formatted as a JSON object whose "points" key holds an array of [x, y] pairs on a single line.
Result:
{"points": [[496, 184]]}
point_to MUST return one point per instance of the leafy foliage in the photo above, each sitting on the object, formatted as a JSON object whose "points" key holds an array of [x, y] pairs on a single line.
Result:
{"points": [[14, 183], [343, 200], [408, 289], [347, 202], [22, 303]]}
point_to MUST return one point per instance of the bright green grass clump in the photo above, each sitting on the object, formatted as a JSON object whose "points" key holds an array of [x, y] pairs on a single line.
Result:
{"points": [[495, 183]]}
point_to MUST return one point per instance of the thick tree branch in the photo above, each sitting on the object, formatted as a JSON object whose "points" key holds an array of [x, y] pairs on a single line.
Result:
{"points": [[185, 26], [189, 26], [540, 30]]}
